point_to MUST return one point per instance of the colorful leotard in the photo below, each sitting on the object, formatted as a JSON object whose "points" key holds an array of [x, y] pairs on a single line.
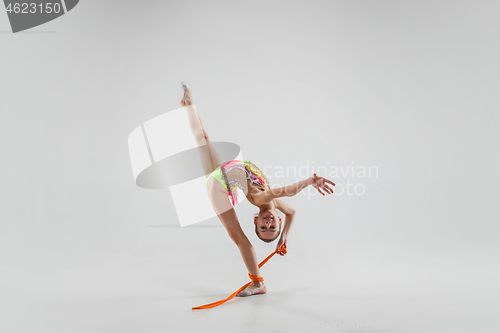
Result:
{"points": [[253, 173]]}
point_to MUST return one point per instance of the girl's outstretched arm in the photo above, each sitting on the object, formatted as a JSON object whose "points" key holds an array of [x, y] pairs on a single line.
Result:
{"points": [[318, 183]]}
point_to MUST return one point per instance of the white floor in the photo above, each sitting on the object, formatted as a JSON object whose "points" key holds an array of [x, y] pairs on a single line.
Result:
{"points": [[313, 292]]}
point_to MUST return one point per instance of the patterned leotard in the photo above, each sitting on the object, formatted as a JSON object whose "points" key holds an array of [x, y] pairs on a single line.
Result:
{"points": [[253, 173]]}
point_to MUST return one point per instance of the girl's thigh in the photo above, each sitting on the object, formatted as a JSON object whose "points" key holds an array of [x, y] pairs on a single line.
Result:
{"points": [[218, 196]]}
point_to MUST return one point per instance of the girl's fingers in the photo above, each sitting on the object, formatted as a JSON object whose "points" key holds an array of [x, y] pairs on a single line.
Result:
{"points": [[322, 182], [330, 182]]}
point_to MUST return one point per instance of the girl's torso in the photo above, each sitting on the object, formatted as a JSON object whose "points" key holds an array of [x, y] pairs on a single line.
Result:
{"points": [[255, 180]]}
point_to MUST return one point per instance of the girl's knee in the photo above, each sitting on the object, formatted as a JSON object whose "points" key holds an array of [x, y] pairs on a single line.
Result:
{"points": [[199, 137]]}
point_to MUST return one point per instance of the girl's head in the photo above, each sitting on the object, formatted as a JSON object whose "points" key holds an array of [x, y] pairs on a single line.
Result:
{"points": [[267, 224]]}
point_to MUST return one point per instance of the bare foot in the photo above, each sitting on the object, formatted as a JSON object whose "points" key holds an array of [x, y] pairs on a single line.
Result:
{"points": [[187, 99], [253, 289]]}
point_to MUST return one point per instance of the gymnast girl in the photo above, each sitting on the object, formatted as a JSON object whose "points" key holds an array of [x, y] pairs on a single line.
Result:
{"points": [[222, 183]]}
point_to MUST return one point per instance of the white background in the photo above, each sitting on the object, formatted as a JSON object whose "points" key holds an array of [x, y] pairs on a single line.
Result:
{"points": [[410, 87]]}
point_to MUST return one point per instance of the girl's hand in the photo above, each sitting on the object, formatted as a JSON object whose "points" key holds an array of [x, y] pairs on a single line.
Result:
{"points": [[281, 242], [321, 183]]}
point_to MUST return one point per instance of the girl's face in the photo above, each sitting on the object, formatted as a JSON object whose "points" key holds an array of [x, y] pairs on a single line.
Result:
{"points": [[268, 224]]}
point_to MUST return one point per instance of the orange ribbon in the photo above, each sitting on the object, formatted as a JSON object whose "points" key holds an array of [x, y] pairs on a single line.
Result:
{"points": [[254, 278]]}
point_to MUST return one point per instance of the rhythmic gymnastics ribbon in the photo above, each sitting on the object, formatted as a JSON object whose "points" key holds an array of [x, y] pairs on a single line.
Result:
{"points": [[254, 278]]}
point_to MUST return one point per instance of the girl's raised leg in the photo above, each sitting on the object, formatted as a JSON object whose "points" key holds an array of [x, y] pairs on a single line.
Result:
{"points": [[209, 157]]}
